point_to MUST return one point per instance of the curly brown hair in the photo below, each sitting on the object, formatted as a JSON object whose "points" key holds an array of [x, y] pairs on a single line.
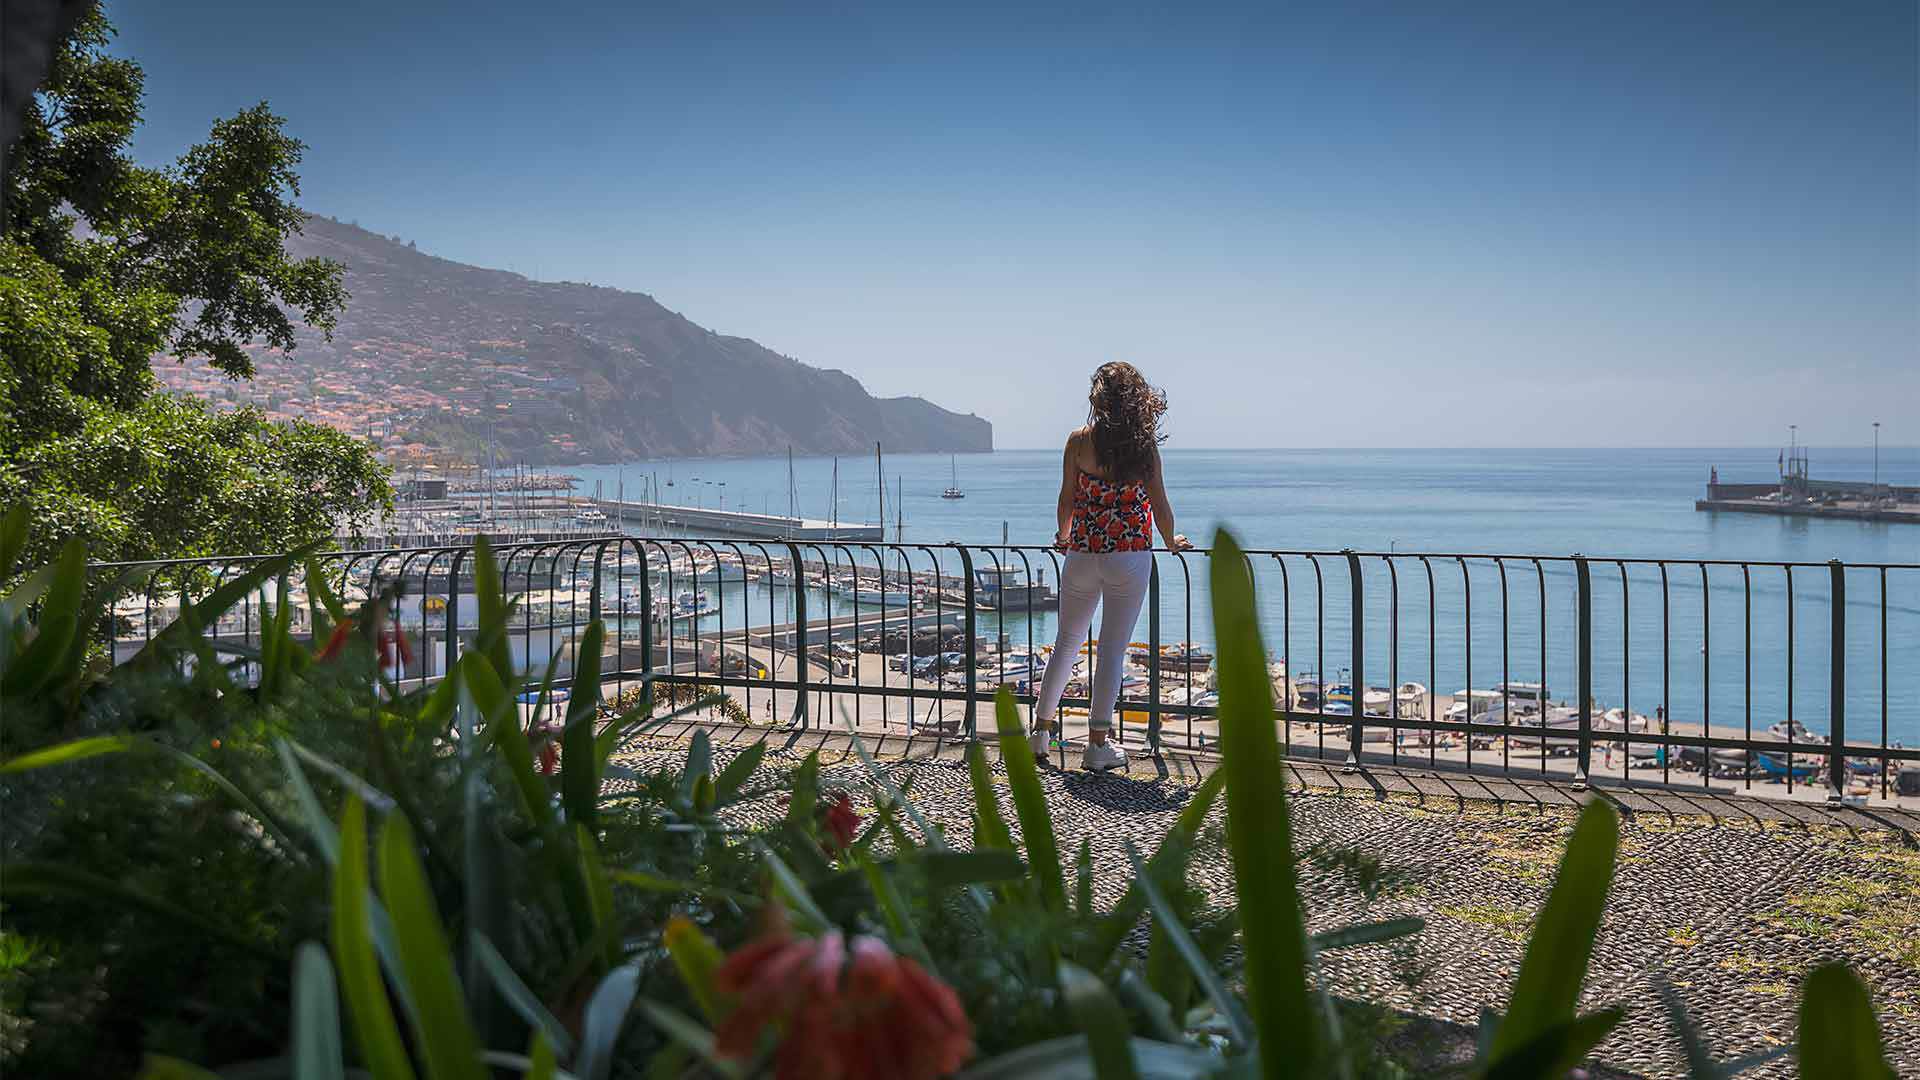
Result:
{"points": [[1123, 412]]}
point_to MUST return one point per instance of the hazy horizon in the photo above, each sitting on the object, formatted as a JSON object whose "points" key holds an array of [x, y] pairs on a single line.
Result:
{"points": [[1376, 226]]}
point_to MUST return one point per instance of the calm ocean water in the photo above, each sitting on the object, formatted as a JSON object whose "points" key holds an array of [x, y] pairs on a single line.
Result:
{"points": [[1626, 503]]}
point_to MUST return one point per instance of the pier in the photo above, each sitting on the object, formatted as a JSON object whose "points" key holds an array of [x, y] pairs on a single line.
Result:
{"points": [[1797, 494], [709, 522]]}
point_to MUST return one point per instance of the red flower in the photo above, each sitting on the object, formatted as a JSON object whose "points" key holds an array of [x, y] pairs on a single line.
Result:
{"points": [[844, 1013], [337, 641], [841, 821]]}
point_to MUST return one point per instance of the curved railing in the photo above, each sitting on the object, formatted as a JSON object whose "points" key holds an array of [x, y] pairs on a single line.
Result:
{"points": [[1625, 667]]}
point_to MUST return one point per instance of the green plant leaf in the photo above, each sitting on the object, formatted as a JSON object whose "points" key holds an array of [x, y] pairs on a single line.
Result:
{"points": [[495, 611], [1223, 1000], [162, 1067], [523, 1000], [793, 892], [699, 764], [505, 734], [806, 794], [579, 757], [606, 1014], [68, 752], [728, 783], [1030, 802], [1259, 833], [1547, 989], [316, 1053], [542, 1067], [184, 632], [375, 1031], [686, 1033], [599, 892], [445, 1033], [1176, 846], [1099, 1017], [38, 665], [990, 827], [1839, 1036], [696, 957], [1552, 1052]]}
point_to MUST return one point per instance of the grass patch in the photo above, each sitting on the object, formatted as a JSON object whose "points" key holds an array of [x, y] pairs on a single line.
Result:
{"points": [[1509, 922], [1684, 937], [1874, 915]]}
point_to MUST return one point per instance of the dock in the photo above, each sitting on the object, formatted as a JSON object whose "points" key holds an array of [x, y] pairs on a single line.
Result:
{"points": [[709, 522], [1798, 494]]}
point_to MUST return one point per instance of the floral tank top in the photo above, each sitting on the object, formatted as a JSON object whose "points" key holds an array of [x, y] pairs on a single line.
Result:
{"points": [[1110, 517]]}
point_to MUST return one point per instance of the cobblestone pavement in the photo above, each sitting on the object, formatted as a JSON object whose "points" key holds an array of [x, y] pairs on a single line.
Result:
{"points": [[1732, 906]]}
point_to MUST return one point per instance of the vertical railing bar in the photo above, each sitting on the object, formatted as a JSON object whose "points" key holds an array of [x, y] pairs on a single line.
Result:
{"points": [[1433, 667], [1506, 680], [1666, 673], [1466, 588], [1790, 688], [1356, 731], [1584, 638], [1540, 580], [1706, 675], [1154, 659], [1837, 683], [1393, 660]]}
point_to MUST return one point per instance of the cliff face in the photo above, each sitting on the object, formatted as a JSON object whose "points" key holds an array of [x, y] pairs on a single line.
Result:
{"points": [[587, 373]]}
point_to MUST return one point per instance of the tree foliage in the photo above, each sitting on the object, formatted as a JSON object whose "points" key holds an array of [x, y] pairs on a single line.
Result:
{"points": [[105, 264]]}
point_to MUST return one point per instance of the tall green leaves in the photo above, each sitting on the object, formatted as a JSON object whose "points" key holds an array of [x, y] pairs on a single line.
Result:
{"points": [[1030, 801], [1258, 833], [374, 1027], [1547, 989]]}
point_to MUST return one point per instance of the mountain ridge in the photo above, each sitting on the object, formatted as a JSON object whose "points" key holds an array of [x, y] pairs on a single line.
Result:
{"points": [[568, 372]]}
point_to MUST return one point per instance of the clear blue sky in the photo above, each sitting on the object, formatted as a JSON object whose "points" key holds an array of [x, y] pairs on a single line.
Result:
{"points": [[1538, 223]]}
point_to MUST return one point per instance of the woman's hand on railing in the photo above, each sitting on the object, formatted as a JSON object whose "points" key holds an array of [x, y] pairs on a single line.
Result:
{"points": [[1179, 543]]}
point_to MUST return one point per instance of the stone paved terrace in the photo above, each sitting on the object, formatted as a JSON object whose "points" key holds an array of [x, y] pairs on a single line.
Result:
{"points": [[1734, 898]]}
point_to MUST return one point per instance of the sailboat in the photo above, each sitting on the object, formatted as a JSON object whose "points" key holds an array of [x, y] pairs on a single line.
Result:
{"points": [[954, 492]]}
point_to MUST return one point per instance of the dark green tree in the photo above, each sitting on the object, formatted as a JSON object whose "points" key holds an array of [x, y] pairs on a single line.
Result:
{"points": [[106, 264]]}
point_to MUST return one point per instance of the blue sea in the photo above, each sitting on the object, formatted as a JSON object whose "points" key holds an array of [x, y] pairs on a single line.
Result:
{"points": [[1628, 503]]}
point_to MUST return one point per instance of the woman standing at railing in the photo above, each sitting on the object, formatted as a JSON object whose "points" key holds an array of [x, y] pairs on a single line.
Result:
{"points": [[1111, 499]]}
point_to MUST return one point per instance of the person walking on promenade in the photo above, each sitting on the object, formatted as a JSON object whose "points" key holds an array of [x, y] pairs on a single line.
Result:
{"points": [[1111, 499]]}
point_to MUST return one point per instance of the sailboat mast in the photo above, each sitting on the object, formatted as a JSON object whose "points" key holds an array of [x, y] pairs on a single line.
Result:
{"points": [[790, 492], [880, 478], [899, 509], [833, 510]]}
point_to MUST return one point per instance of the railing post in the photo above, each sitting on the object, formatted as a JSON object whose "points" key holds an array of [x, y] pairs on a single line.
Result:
{"points": [[1583, 762], [967, 629], [453, 613], [1837, 689], [799, 638], [646, 628], [1356, 732], [1153, 659]]}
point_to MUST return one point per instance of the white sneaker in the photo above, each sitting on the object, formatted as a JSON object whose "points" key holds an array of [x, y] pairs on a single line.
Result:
{"points": [[1103, 757], [1041, 739]]}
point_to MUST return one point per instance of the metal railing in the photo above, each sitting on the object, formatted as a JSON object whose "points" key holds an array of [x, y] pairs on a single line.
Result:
{"points": [[891, 636]]}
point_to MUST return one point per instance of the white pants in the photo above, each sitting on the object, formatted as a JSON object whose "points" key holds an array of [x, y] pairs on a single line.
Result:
{"points": [[1119, 579]]}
